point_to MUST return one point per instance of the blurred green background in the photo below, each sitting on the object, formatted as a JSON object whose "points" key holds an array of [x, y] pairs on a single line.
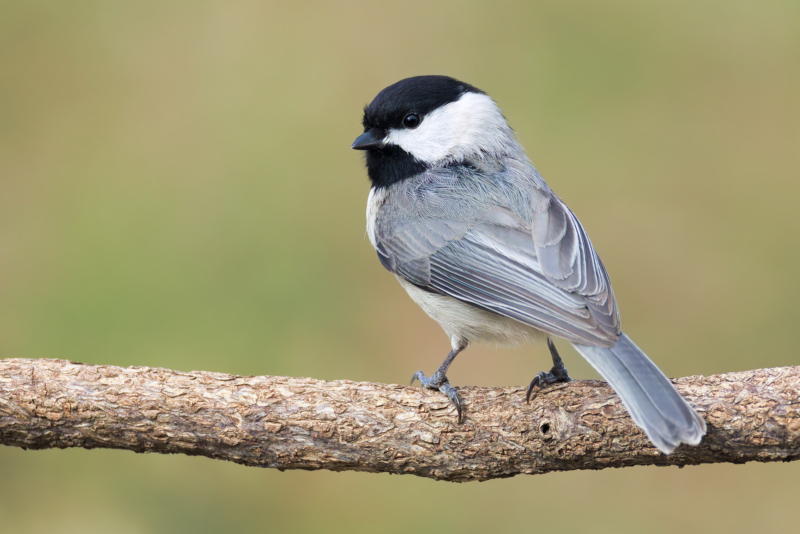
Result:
{"points": [[177, 190]]}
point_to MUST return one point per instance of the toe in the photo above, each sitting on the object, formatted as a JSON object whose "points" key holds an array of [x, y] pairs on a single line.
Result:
{"points": [[417, 376], [534, 383], [452, 394]]}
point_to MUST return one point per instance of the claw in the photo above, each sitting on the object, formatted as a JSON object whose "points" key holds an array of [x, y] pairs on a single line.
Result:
{"points": [[439, 381], [417, 376], [452, 394], [537, 380], [558, 373]]}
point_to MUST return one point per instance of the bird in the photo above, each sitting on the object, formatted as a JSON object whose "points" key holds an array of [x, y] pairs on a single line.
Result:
{"points": [[476, 237]]}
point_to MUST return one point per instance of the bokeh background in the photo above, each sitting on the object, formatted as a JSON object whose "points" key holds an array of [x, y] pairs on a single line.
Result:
{"points": [[177, 190]]}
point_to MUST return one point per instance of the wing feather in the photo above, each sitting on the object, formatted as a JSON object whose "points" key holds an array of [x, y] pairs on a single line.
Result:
{"points": [[467, 237]]}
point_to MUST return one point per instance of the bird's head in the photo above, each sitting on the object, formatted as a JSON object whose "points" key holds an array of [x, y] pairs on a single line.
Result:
{"points": [[428, 121]]}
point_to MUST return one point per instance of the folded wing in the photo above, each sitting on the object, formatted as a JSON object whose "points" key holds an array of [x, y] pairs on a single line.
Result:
{"points": [[478, 246]]}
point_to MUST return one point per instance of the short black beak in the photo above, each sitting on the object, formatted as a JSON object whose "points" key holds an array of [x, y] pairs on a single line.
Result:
{"points": [[372, 138]]}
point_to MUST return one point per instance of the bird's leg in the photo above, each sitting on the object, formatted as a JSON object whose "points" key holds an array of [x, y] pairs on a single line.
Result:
{"points": [[558, 373], [439, 379]]}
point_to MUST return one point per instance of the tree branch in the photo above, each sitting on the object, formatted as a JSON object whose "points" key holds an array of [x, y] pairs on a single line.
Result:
{"points": [[302, 423]]}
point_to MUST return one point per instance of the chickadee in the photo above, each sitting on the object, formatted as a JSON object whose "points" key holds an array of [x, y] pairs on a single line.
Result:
{"points": [[472, 232]]}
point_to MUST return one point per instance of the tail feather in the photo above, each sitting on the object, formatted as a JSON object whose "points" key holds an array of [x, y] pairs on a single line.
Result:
{"points": [[653, 402]]}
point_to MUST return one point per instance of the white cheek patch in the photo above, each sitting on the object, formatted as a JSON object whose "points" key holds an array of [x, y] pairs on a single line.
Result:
{"points": [[471, 126]]}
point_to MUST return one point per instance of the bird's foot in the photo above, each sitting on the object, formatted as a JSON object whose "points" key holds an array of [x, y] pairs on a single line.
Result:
{"points": [[558, 373], [439, 382], [544, 379]]}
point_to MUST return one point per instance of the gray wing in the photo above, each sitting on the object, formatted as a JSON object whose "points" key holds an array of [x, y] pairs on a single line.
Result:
{"points": [[519, 253]]}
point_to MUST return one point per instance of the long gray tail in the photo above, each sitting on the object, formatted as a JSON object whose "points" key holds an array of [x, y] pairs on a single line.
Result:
{"points": [[650, 398]]}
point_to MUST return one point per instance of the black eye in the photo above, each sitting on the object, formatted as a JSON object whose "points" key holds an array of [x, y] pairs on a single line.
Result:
{"points": [[412, 120]]}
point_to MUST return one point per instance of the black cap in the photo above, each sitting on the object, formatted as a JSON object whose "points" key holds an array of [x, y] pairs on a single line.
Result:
{"points": [[419, 94]]}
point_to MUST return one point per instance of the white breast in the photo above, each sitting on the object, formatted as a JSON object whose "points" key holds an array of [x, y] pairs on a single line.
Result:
{"points": [[377, 196]]}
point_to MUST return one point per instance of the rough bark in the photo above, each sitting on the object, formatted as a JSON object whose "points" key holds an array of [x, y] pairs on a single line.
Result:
{"points": [[302, 423]]}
